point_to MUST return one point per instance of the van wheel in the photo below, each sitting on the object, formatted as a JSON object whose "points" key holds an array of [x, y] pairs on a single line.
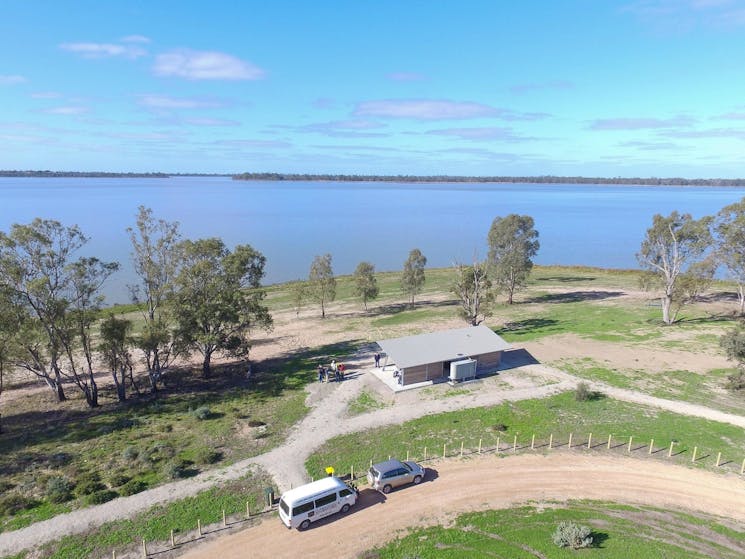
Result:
{"points": [[387, 489], [304, 524], [417, 480], [345, 509]]}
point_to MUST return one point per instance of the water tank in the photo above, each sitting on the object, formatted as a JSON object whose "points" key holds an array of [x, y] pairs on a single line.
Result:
{"points": [[462, 370]]}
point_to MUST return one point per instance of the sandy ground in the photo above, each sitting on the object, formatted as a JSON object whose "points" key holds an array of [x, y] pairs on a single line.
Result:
{"points": [[482, 483]]}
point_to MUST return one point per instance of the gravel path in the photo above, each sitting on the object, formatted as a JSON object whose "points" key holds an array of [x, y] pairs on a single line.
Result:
{"points": [[326, 420]]}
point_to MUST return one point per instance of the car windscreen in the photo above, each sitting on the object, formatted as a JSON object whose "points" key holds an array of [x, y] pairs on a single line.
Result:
{"points": [[375, 473], [284, 507]]}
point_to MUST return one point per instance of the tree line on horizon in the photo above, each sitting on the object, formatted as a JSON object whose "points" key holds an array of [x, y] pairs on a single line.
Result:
{"points": [[538, 179]]}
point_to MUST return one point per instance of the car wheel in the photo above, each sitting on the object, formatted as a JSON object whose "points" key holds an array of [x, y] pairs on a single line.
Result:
{"points": [[345, 509], [304, 524], [387, 489], [417, 480]]}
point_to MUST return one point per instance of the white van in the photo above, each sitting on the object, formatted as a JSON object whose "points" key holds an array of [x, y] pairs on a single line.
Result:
{"points": [[305, 504]]}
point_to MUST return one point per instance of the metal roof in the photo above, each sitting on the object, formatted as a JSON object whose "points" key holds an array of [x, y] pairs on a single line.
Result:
{"points": [[312, 489], [446, 345]]}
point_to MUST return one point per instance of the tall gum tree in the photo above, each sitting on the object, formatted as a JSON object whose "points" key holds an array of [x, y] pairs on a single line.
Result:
{"points": [[156, 259], [671, 247], [412, 278], [218, 299], [321, 282], [473, 288], [513, 242], [365, 283], [729, 233]]}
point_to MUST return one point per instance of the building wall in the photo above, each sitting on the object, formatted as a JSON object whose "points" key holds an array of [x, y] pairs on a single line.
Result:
{"points": [[488, 361], [421, 373]]}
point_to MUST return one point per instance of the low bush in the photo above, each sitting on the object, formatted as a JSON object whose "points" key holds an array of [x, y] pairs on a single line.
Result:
{"points": [[202, 413], [208, 456], [89, 487], [100, 497], [130, 453], [133, 486], [119, 479], [583, 393], [14, 503], [59, 489], [571, 534], [256, 423], [177, 469], [736, 381]]}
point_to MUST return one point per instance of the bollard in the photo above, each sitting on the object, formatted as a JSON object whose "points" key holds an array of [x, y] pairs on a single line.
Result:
{"points": [[589, 441], [651, 446], [173, 540], [461, 449], [479, 446], [670, 452], [144, 548], [719, 458], [532, 442], [514, 444], [609, 437], [569, 445], [199, 528], [631, 438], [695, 450], [550, 441], [224, 521]]}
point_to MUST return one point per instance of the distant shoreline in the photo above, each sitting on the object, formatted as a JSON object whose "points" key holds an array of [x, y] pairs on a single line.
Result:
{"points": [[102, 175], [549, 179]]}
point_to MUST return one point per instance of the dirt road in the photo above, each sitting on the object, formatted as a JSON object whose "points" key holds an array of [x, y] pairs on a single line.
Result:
{"points": [[458, 486]]}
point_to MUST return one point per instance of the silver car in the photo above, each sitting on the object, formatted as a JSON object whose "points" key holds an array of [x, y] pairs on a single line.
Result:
{"points": [[384, 476]]}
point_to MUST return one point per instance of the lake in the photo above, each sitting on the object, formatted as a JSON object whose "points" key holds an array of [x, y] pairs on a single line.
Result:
{"points": [[291, 222]]}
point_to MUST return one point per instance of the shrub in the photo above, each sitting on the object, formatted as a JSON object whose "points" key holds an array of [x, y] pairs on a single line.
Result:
{"points": [[570, 534], [499, 427], [59, 489], [89, 486], [583, 393], [133, 486], [100, 497], [119, 479], [202, 413], [208, 456], [130, 453], [14, 503], [736, 381], [256, 423], [177, 469]]}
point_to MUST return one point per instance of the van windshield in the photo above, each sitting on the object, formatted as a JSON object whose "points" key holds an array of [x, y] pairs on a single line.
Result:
{"points": [[284, 507]]}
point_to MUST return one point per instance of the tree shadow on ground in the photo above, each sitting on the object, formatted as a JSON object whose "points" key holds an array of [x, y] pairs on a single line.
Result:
{"points": [[396, 308], [599, 539], [522, 327], [566, 279], [574, 297]]}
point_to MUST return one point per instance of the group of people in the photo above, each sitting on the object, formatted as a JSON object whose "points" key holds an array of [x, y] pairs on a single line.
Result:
{"points": [[334, 372]]}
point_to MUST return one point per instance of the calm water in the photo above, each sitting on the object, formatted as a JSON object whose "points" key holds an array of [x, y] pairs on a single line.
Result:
{"points": [[290, 222]]}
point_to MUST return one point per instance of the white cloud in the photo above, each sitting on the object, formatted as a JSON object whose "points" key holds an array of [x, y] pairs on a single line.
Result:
{"points": [[11, 79], [104, 50], [167, 102], [423, 109], [205, 65], [68, 110], [640, 123], [481, 134]]}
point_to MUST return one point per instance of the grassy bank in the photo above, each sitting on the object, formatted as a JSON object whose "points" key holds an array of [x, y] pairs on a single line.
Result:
{"points": [[559, 416], [619, 532]]}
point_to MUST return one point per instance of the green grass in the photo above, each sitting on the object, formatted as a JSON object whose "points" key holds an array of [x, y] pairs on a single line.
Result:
{"points": [[156, 523], [558, 415], [365, 402], [619, 532]]}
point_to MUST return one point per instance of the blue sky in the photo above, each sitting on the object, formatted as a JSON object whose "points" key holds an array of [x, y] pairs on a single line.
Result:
{"points": [[624, 88]]}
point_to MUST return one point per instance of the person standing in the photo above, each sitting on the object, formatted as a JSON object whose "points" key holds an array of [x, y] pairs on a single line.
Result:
{"points": [[377, 360], [321, 372]]}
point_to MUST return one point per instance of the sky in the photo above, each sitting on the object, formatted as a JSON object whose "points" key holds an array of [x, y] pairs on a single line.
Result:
{"points": [[633, 88]]}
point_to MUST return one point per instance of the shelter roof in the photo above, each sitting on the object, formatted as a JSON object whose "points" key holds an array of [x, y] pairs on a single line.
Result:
{"points": [[445, 345]]}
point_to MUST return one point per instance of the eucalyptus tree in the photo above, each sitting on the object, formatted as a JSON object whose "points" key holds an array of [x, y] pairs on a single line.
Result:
{"points": [[55, 299], [733, 344], [218, 299], [113, 348], [513, 242], [729, 230], [298, 294], [321, 282], [365, 283], [672, 250], [155, 256], [412, 278], [474, 290]]}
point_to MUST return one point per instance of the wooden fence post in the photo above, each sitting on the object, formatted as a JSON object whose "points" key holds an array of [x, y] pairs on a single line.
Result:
{"points": [[670, 452], [224, 520], [609, 437], [407, 454], [514, 444], [199, 528], [631, 438], [589, 441], [695, 450], [497, 445], [532, 442], [351, 471], [113, 554], [443, 450], [479, 446], [248, 510], [719, 458], [425, 452], [144, 548], [742, 469], [550, 441], [651, 446], [173, 540], [461, 449]]}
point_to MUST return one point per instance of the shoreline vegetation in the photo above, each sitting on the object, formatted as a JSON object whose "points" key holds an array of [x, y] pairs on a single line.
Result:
{"points": [[278, 177]]}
